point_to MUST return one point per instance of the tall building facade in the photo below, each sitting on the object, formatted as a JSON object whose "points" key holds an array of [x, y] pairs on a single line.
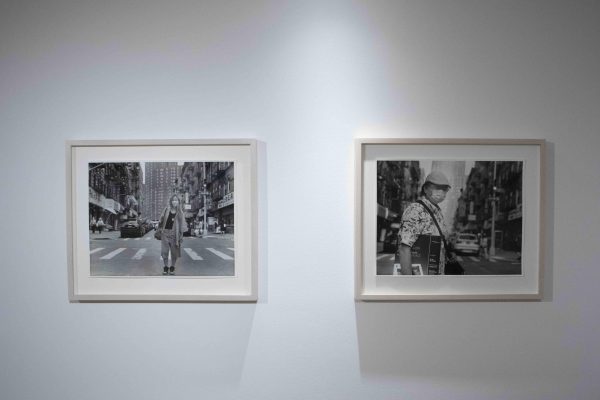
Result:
{"points": [[114, 192], [160, 182], [455, 172], [208, 192], [398, 185], [493, 196]]}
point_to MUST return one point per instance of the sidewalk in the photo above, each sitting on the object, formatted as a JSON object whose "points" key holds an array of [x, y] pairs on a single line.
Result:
{"points": [[506, 255], [110, 235], [228, 236]]}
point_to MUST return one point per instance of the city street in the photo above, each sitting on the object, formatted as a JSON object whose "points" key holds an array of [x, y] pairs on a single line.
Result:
{"points": [[111, 255], [504, 263]]}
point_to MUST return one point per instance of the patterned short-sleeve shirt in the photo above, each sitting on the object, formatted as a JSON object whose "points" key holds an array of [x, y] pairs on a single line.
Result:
{"points": [[417, 221]]}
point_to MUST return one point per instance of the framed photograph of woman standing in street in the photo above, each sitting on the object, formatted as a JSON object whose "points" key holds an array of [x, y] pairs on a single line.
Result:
{"points": [[162, 220], [449, 219]]}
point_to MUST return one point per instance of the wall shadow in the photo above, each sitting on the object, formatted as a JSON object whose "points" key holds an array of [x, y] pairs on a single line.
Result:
{"points": [[263, 223], [465, 341], [548, 200]]}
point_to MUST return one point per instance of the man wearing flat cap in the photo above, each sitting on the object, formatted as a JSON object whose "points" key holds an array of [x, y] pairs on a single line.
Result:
{"points": [[417, 221]]}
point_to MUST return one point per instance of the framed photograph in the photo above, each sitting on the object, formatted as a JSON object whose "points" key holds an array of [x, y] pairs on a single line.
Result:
{"points": [[168, 220], [443, 219]]}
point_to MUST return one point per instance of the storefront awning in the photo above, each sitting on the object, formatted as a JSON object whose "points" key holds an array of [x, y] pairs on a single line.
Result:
{"points": [[131, 201]]}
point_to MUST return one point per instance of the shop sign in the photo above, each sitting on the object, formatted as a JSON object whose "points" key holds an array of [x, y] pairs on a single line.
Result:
{"points": [[108, 204], [95, 197], [131, 201], [515, 213], [226, 201]]}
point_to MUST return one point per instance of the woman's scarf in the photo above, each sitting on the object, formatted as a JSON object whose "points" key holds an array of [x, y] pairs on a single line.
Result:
{"points": [[178, 223]]}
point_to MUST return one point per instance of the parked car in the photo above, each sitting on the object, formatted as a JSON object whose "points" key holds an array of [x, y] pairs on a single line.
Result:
{"points": [[466, 243], [132, 228], [147, 226]]}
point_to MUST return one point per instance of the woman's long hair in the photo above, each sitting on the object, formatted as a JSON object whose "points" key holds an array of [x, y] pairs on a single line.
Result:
{"points": [[171, 202], [178, 211]]}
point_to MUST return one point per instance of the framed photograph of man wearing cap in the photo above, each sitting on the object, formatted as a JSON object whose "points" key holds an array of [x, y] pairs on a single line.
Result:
{"points": [[449, 219]]}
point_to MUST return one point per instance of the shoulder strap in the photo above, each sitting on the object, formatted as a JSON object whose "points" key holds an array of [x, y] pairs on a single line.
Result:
{"points": [[163, 218], [436, 223]]}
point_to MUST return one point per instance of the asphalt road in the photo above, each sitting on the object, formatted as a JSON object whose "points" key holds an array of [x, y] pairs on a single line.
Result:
{"points": [[500, 265], [111, 255]]}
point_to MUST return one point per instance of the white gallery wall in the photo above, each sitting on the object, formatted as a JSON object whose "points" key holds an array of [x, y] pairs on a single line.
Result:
{"points": [[305, 78]]}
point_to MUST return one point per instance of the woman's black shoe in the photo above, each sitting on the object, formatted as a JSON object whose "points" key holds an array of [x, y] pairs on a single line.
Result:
{"points": [[172, 271], [165, 270]]}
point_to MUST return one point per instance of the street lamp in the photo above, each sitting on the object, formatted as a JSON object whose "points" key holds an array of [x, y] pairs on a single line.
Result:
{"points": [[204, 193], [495, 192]]}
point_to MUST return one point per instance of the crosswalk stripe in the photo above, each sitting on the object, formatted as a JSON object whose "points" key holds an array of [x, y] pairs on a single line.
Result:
{"points": [[149, 237], [474, 259], [459, 258], [139, 254], [136, 239], [493, 260], [218, 253], [193, 255], [112, 254], [382, 256], [126, 239]]}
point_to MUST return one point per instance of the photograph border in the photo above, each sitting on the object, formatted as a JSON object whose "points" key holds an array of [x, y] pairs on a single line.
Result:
{"points": [[249, 293], [365, 293]]}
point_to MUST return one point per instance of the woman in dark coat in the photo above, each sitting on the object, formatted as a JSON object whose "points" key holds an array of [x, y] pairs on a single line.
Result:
{"points": [[172, 224]]}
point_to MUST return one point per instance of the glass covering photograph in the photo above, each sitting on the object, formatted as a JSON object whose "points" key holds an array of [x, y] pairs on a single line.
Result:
{"points": [[430, 210], [161, 218]]}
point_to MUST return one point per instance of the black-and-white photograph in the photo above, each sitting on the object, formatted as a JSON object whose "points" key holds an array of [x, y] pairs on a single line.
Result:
{"points": [[432, 211], [161, 219]]}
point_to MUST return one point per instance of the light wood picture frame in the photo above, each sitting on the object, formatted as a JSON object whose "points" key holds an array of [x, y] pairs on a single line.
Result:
{"points": [[493, 213], [118, 191]]}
